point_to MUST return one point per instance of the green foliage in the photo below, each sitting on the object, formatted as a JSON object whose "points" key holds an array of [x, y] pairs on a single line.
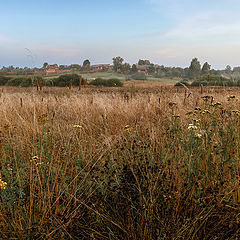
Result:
{"points": [[139, 76], [19, 81], [143, 62], [206, 68], [134, 68], [64, 80], [106, 82], [117, 63], [3, 79], [195, 68], [86, 62], [214, 80], [125, 68]]}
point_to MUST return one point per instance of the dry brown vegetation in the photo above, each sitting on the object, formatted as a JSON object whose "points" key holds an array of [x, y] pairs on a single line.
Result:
{"points": [[137, 162]]}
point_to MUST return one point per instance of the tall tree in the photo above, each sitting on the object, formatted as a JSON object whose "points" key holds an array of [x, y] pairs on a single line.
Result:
{"points": [[228, 69], [205, 68], [45, 65], [134, 68], [86, 62], [195, 68], [125, 68], [143, 62], [117, 63]]}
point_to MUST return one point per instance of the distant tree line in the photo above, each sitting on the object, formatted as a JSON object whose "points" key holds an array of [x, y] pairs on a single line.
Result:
{"points": [[140, 70]]}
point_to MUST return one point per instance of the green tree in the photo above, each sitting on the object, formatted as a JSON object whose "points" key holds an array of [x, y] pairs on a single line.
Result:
{"points": [[45, 65], [117, 63], [195, 68], [134, 68], [143, 62], [228, 69], [151, 69], [125, 68], [86, 62], [206, 68]]}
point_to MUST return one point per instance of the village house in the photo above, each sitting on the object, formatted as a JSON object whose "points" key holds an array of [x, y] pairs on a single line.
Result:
{"points": [[142, 68], [101, 67]]}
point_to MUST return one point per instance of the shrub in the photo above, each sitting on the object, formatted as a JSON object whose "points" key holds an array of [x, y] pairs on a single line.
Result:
{"points": [[139, 76], [64, 80], [106, 82], [19, 81], [214, 80], [3, 80]]}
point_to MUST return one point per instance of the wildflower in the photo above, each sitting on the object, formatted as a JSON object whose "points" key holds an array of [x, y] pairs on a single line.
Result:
{"points": [[237, 112], [231, 97], [198, 135], [176, 116], [127, 127], [2, 184], [77, 126], [197, 109], [206, 98], [217, 104], [192, 127], [34, 159], [196, 121], [205, 111]]}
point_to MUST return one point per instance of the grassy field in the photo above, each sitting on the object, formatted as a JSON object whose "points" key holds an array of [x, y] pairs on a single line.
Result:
{"points": [[146, 161]]}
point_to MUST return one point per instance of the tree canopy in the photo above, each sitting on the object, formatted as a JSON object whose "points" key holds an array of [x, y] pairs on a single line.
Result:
{"points": [[117, 63], [195, 68]]}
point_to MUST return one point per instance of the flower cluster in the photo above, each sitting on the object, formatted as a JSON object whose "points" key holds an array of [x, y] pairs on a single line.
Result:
{"points": [[191, 126], [195, 128], [127, 128], [208, 98], [231, 97], [237, 112], [217, 104], [2, 184], [77, 126], [35, 160]]}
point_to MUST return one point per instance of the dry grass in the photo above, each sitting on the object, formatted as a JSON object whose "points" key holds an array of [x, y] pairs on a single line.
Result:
{"points": [[119, 164]]}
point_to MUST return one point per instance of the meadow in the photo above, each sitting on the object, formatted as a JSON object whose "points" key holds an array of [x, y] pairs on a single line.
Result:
{"points": [[145, 161]]}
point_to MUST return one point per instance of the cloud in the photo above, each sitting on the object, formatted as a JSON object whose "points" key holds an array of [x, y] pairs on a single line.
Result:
{"points": [[206, 26]]}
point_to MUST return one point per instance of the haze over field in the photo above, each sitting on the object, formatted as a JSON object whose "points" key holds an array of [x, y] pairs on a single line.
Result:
{"points": [[166, 32]]}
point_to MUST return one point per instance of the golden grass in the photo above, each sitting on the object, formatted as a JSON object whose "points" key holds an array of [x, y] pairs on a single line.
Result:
{"points": [[95, 164]]}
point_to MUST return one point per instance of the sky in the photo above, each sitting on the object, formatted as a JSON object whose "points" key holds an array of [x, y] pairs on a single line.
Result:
{"points": [[167, 32]]}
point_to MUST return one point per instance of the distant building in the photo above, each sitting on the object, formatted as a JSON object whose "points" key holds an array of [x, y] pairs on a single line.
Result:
{"points": [[51, 69], [101, 67], [142, 68]]}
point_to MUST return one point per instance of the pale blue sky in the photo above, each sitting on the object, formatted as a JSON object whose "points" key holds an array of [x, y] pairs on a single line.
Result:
{"points": [[168, 32]]}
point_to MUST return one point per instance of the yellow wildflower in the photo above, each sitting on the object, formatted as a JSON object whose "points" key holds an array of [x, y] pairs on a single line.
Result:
{"points": [[2, 184], [77, 126]]}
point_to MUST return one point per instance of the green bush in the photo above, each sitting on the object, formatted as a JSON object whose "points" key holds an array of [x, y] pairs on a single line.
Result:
{"points": [[139, 76], [3, 80], [17, 81], [64, 80], [106, 82], [214, 80]]}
